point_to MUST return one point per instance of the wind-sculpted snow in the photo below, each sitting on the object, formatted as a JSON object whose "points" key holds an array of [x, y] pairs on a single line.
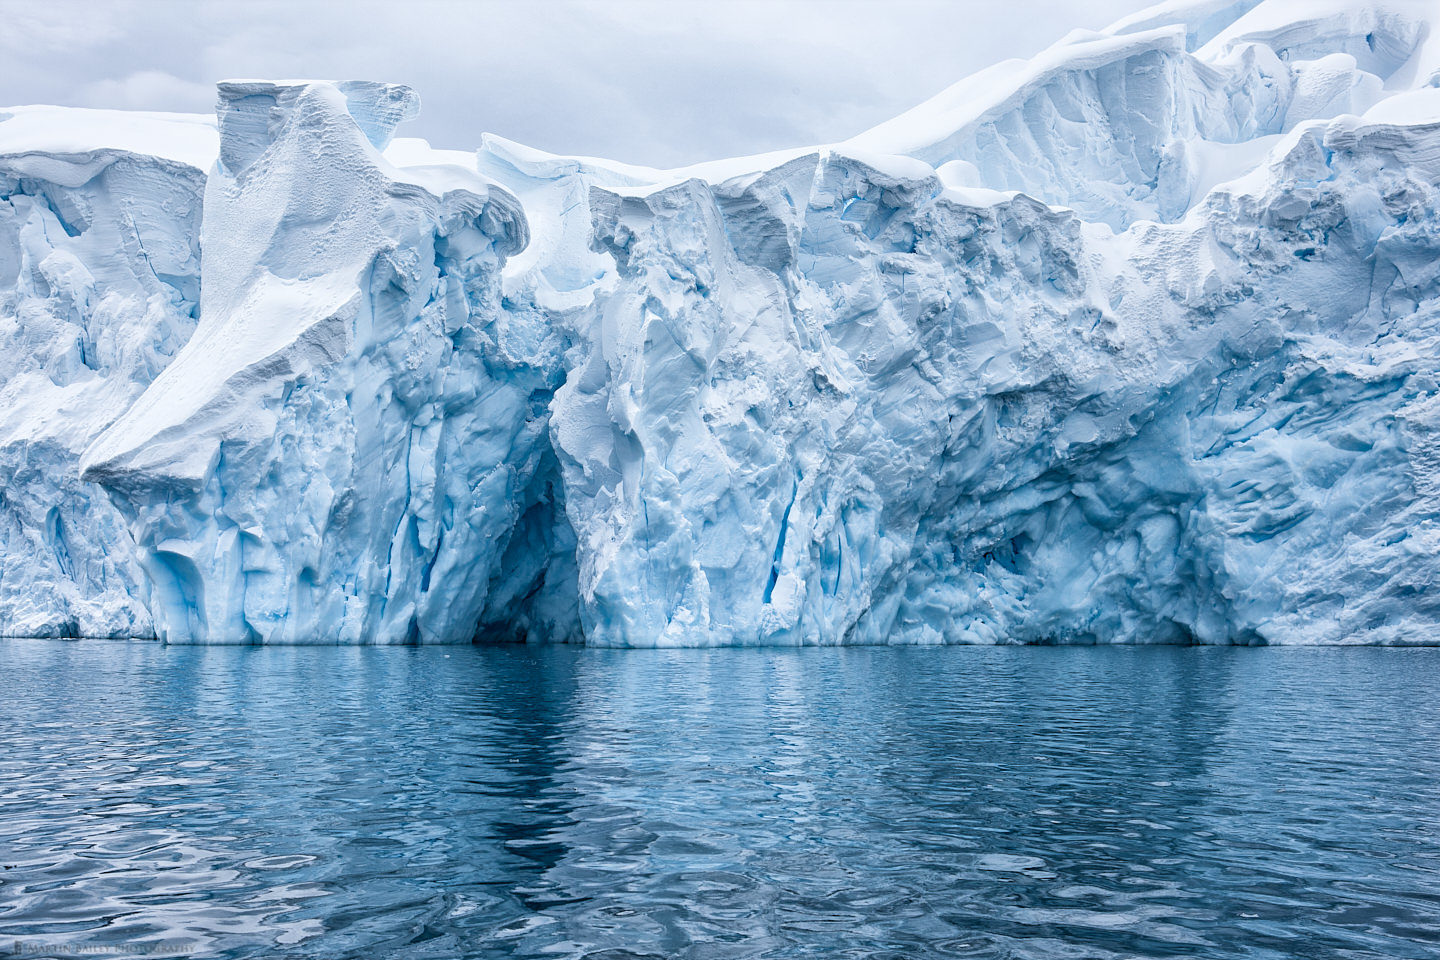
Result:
{"points": [[1130, 126], [1132, 342]]}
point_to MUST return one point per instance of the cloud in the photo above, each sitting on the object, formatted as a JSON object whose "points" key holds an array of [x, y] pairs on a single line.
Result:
{"points": [[662, 83], [58, 26], [149, 90]]}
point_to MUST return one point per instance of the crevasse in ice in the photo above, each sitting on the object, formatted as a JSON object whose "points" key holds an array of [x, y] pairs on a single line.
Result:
{"points": [[1135, 341]]}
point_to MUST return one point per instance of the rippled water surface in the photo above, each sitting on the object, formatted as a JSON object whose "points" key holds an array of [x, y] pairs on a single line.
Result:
{"points": [[1028, 803]]}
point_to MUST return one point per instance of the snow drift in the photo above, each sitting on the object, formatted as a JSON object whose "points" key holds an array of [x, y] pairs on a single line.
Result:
{"points": [[1136, 341]]}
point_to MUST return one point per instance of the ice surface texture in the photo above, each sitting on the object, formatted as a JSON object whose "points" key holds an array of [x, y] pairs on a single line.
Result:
{"points": [[1133, 342]]}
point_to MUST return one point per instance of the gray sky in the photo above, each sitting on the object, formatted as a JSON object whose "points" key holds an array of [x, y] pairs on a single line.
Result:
{"points": [[661, 83]]}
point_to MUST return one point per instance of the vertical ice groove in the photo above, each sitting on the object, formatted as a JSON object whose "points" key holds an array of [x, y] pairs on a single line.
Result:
{"points": [[780, 543]]}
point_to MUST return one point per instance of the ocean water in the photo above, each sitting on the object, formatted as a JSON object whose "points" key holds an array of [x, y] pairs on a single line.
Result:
{"points": [[561, 802]]}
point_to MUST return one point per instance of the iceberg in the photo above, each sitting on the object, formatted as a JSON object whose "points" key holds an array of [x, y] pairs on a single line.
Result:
{"points": [[1132, 342]]}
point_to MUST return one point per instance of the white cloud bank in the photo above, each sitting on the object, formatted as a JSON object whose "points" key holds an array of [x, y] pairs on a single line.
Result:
{"points": [[660, 83]]}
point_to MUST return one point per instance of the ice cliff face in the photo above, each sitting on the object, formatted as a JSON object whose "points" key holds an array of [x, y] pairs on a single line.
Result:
{"points": [[1133, 342], [99, 286], [346, 443]]}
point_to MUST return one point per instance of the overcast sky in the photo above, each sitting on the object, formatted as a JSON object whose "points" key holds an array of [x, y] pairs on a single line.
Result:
{"points": [[661, 83]]}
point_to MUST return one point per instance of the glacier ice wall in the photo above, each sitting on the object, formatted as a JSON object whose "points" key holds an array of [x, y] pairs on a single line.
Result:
{"points": [[99, 286], [346, 443], [1132, 342], [912, 414]]}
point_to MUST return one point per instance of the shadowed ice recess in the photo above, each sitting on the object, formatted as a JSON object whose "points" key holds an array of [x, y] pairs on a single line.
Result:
{"points": [[1019, 803], [1132, 342]]}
